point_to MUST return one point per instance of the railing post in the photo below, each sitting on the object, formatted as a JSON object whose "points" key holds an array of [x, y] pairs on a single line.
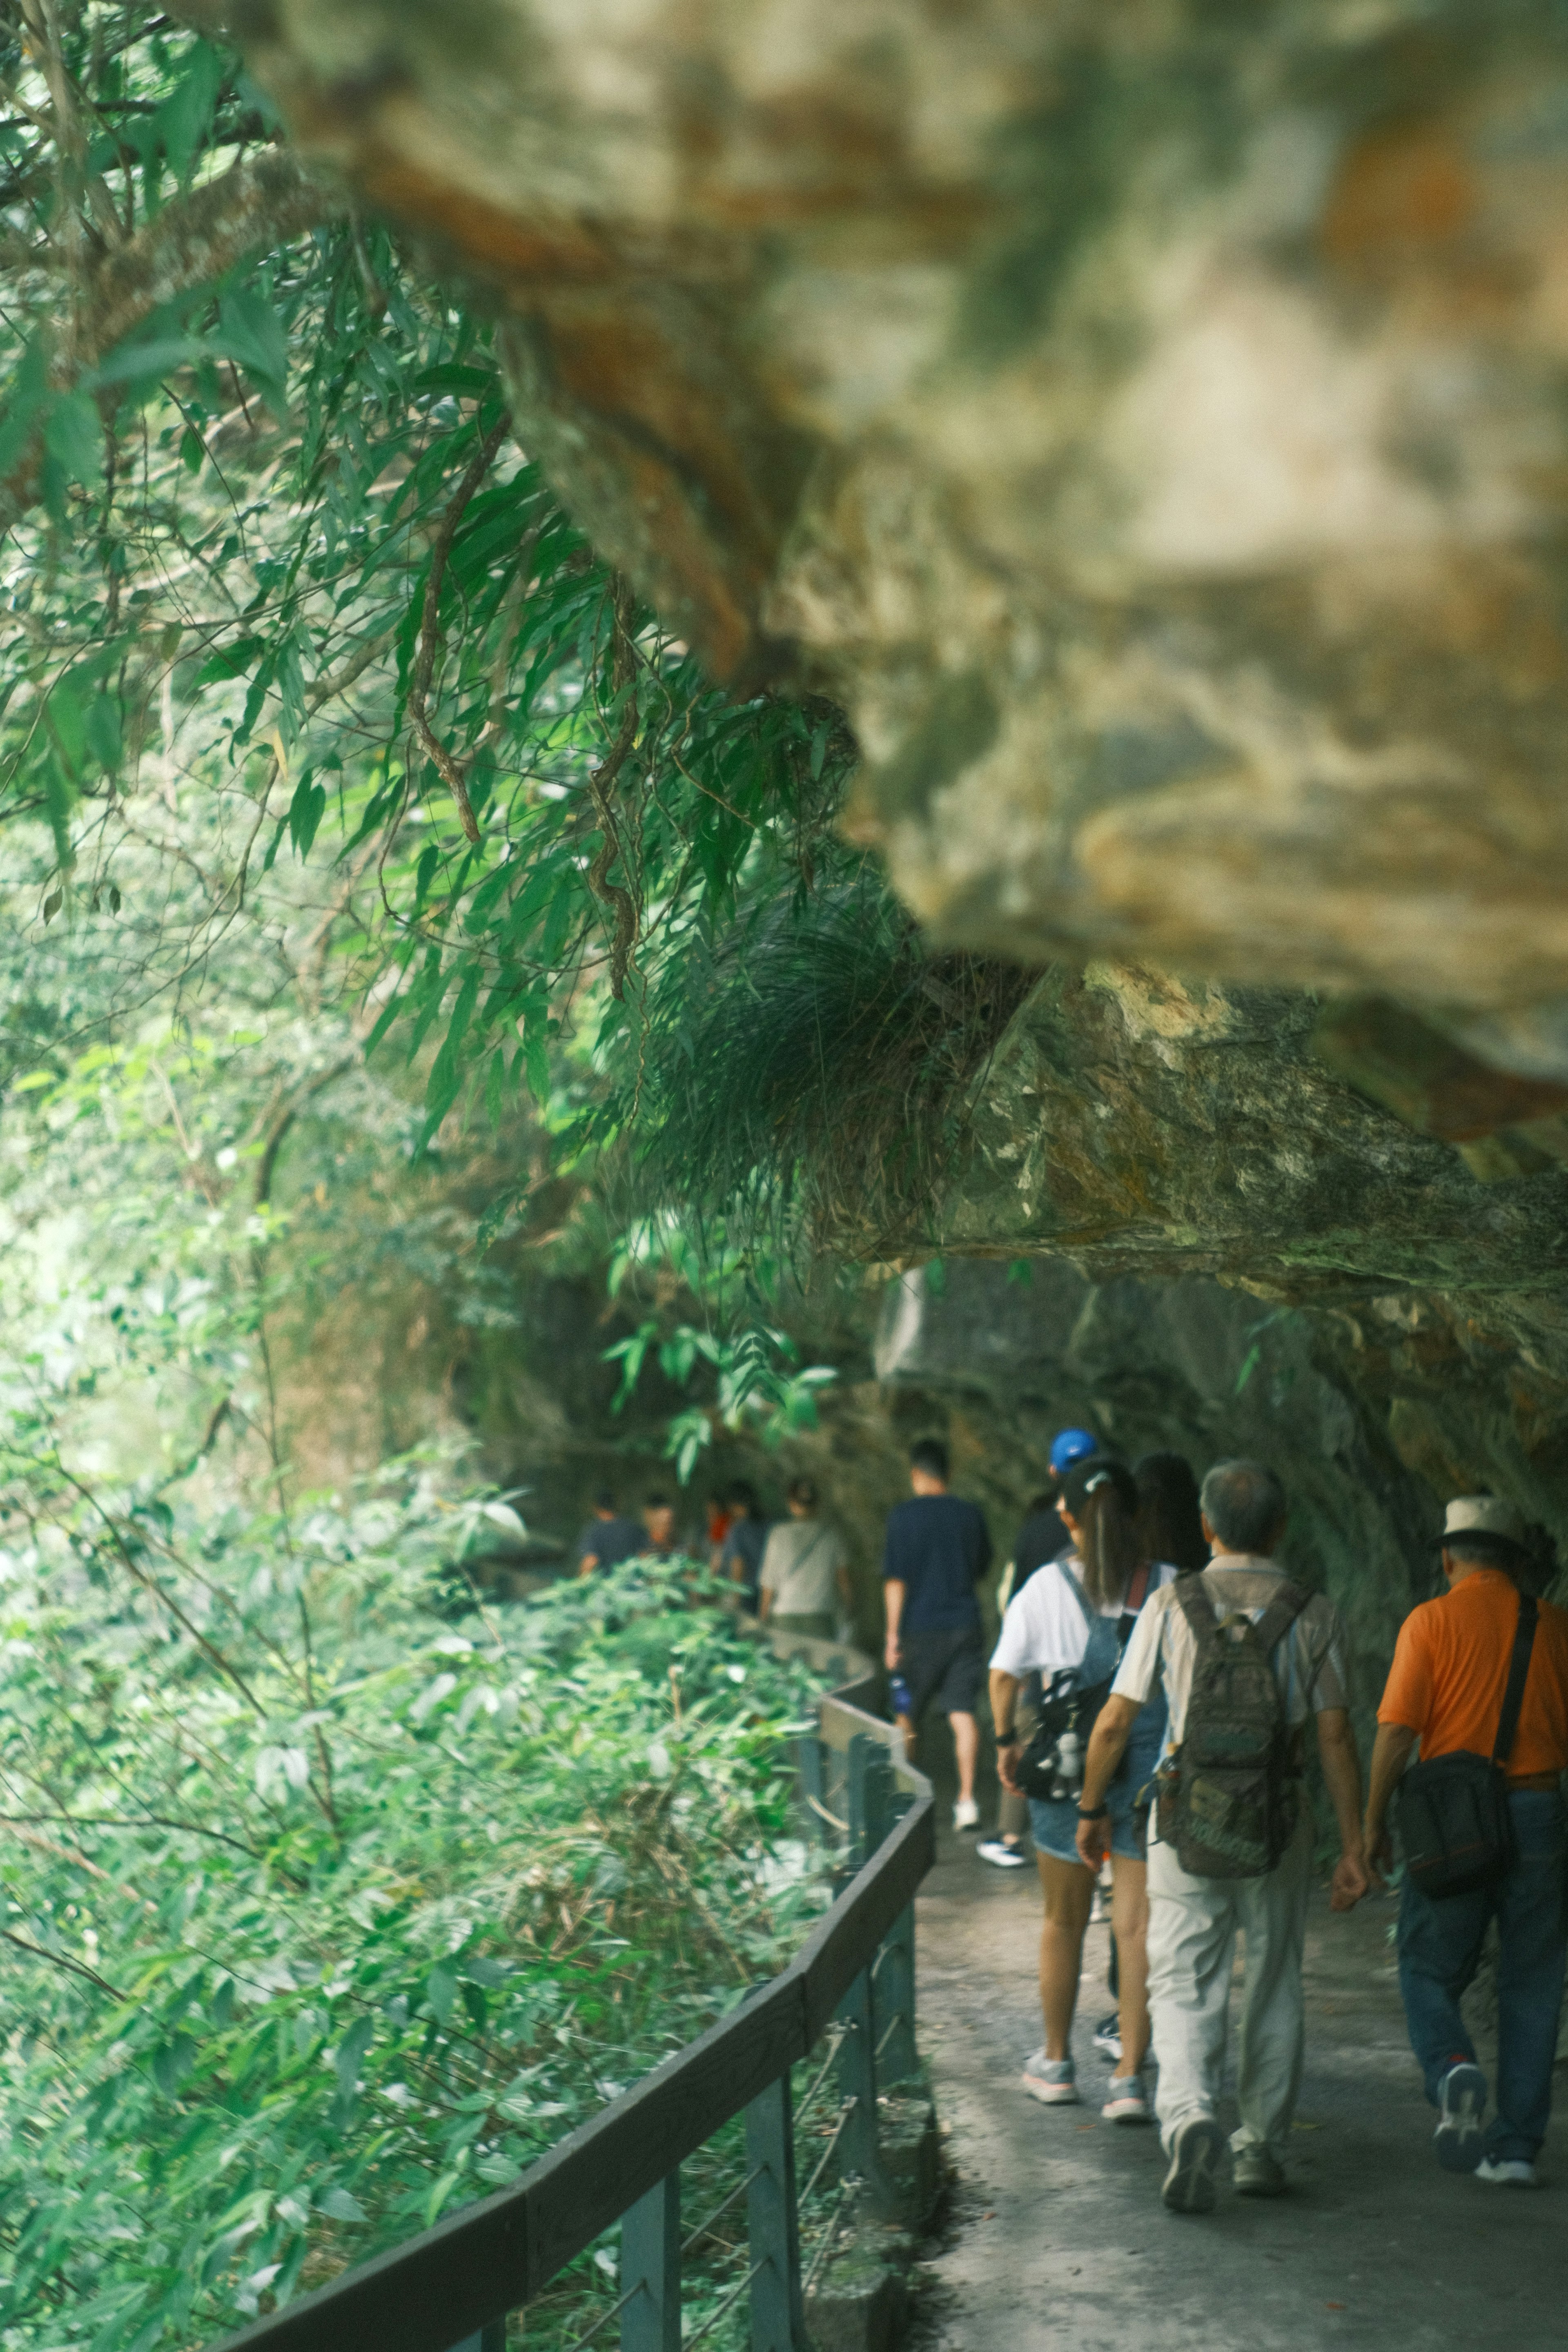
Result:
{"points": [[809, 1761], [860, 1776], [772, 2222], [893, 2002], [650, 2270], [857, 2070], [880, 1811]]}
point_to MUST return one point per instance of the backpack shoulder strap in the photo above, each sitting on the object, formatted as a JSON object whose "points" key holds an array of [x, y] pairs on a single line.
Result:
{"points": [[1192, 1600], [1282, 1615], [1078, 1594], [1518, 1674]]}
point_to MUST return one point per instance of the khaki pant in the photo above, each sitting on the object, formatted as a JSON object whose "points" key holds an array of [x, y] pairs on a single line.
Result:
{"points": [[818, 1623], [1192, 1925]]}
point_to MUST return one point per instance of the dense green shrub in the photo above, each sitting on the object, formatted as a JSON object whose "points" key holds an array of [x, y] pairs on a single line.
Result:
{"points": [[326, 1910]]}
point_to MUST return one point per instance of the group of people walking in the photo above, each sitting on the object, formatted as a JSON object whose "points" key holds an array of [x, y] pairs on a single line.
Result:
{"points": [[794, 1573], [1156, 1682]]}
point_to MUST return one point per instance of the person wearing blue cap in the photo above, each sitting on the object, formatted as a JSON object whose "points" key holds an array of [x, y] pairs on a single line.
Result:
{"points": [[1070, 1445]]}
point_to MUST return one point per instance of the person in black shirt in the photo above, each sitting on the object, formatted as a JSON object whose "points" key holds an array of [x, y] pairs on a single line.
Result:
{"points": [[741, 1554], [1042, 1538], [608, 1538], [936, 1554]]}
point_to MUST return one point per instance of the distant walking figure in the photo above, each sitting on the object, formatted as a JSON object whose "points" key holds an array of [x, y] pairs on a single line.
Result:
{"points": [[660, 1539], [740, 1553], [1462, 1667], [1245, 1657], [608, 1540], [805, 1570], [936, 1551]]}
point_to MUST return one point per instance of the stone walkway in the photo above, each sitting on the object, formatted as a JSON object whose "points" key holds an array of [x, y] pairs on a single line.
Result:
{"points": [[1057, 2235]]}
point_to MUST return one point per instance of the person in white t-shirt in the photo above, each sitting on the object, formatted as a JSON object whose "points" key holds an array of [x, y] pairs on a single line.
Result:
{"points": [[1070, 1624], [804, 1570]]}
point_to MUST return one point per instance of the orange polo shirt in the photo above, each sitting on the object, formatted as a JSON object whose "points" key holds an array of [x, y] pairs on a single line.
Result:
{"points": [[1450, 1668]]}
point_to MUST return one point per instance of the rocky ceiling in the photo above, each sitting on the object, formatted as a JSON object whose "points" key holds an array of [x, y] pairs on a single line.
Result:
{"points": [[1151, 422]]}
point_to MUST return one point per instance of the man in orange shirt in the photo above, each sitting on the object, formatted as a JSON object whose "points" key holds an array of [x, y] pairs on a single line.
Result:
{"points": [[1446, 1688]]}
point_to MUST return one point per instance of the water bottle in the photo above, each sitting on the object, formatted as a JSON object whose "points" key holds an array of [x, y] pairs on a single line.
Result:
{"points": [[899, 1692], [1069, 1764]]}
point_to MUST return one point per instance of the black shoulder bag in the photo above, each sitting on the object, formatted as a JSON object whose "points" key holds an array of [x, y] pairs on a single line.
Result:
{"points": [[1453, 1818], [1069, 1711]]}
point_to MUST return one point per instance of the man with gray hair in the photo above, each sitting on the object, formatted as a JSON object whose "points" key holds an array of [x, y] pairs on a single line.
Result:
{"points": [[1194, 1919]]}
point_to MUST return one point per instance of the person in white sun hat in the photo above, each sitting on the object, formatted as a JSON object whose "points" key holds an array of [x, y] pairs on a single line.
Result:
{"points": [[1481, 1678]]}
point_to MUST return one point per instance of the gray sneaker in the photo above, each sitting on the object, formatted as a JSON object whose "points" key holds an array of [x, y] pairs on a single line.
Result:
{"points": [[1195, 2160], [1255, 2173], [1051, 2080], [1126, 2101]]}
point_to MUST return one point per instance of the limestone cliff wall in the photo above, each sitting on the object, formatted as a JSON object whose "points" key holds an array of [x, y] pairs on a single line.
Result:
{"points": [[1149, 419]]}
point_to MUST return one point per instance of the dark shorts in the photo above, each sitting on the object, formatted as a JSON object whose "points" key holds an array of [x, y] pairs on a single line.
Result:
{"points": [[948, 1667]]}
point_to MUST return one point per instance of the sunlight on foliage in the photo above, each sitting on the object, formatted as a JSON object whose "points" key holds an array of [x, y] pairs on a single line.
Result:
{"points": [[326, 1908]]}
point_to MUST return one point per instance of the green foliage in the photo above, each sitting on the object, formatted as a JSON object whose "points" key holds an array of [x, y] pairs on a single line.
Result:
{"points": [[351, 800], [324, 1911], [756, 1374], [356, 614], [814, 1064], [276, 550]]}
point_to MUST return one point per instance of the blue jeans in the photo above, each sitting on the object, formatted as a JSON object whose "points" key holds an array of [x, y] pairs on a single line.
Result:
{"points": [[1440, 1946]]}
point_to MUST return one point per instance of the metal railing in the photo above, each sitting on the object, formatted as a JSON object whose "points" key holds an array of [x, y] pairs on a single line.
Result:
{"points": [[850, 1989]]}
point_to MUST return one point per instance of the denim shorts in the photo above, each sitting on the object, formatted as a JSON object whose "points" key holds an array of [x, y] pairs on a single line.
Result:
{"points": [[1053, 1824]]}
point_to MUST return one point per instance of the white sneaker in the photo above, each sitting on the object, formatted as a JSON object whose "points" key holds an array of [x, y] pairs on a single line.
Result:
{"points": [[997, 1850], [1051, 2080], [1507, 2171], [1108, 2037], [966, 1814], [1461, 2103]]}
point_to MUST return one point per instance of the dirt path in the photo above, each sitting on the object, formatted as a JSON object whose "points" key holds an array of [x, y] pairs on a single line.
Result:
{"points": [[1059, 2238]]}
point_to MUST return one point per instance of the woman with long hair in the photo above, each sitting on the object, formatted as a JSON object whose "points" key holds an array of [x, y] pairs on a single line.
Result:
{"points": [[1170, 1523], [1070, 1623]]}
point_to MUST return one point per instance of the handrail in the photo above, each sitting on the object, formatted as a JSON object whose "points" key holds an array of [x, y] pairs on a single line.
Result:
{"points": [[447, 2285]]}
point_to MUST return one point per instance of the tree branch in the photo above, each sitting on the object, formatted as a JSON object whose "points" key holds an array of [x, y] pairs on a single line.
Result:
{"points": [[150, 1584], [270, 200], [192, 243], [623, 674], [58, 1959], [441, 760]]}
